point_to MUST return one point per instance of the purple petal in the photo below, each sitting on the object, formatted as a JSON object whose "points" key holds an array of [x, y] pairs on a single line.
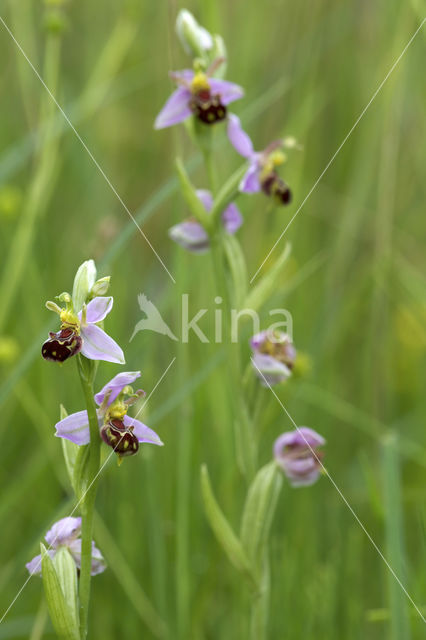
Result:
{"points": [[74, 427], [63, 532], [302, 437], [232, 218], [250, 182], [258, 339], [190, 235], [303, 478], [206, 198], [239, 139], [98, 562], [269, 370], [98, 309], [98, 345], [175, 110], [116, 385], [141, 431], [228, 91], [185, 74], [34, 566]]}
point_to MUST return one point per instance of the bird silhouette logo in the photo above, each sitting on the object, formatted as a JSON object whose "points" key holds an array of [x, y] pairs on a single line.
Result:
{"points": [[153, 320]]}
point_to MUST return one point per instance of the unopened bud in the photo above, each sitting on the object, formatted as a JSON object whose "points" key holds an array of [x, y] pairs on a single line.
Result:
{"points": [[83, 282], [195, 39], [100, 288]]}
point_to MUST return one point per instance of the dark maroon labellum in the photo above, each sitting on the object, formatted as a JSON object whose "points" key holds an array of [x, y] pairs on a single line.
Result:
{"points": [[207, 108], [274, 186], [121, 438], [61, 345]]}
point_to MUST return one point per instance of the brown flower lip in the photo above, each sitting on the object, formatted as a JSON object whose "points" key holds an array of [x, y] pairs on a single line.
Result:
{"points": [[61, 345], [121, 438], [207, 107]]}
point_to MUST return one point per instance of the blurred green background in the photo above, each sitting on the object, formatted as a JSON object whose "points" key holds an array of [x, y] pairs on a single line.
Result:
{"points": [[355, 286]]}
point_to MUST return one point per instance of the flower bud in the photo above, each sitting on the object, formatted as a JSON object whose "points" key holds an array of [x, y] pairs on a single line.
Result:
{"points": [[298, 455], [83, 282], [121, 438], [195, 39], [61, 345], [100, 288]]}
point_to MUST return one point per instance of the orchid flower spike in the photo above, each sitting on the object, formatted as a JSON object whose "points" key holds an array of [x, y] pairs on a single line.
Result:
{"points": [[200, 95], [262, 173], [297, 453], [80, 317], [66, 533], [273, 356], [117, 429], [191, 235]]}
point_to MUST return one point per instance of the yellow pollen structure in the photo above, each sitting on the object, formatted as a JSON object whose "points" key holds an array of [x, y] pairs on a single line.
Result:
{"points": [[200, 82], [117, 411], [69, 319], [277, 158]]}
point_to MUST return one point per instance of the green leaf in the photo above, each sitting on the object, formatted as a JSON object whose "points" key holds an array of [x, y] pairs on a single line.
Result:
{"points": [[63, 619], [66, 572], [224, 532], [70, 451], [81, 474], [192, 200], [228, 192], [269, 283], [259, 511]]}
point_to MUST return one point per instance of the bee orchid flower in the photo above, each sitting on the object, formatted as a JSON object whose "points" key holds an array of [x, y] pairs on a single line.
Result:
{"points": [[192, 236], [66, 533], [117, 429], [198, 94], [79, 332], [273, 356], [298, 454], [262, 173]]}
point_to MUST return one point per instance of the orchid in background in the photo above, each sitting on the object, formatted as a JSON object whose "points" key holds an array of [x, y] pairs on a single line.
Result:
{"points": [[200, 95], [79, 330], [262, 173], [192, 236], [66, 534], [298, 454], [273, 356], [117, 429], [203, 98]]}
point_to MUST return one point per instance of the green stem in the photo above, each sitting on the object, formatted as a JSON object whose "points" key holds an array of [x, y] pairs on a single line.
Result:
{"points": [[210, 170], [260, 606], [243, 432], [86, 370]]}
